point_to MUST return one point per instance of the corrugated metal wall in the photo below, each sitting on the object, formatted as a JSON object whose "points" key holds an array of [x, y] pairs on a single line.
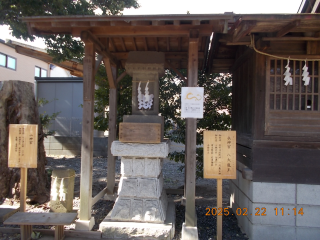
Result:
{"points": [[65, 97]]}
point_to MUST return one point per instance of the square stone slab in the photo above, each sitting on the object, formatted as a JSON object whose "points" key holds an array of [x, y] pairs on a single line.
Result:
{"points": [[111, 229]]}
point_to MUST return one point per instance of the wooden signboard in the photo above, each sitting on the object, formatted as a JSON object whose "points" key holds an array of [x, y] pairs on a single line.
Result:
{"points": [[219, 154], [23, 145], [219, 151], [140, 132]]}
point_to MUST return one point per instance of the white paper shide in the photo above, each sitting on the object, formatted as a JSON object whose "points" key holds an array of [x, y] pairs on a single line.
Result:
{"points": [[145, 100], [192, 102]]}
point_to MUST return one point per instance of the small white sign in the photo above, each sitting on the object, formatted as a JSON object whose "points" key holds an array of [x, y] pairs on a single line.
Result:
{"points": [[192, 102]]}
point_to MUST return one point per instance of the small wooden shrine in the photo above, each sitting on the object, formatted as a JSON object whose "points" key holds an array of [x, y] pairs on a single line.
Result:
{"points": [[277, 123]]}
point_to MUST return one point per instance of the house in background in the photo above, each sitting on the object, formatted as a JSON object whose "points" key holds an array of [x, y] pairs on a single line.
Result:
{"points": [[59, 83], [14, 66]]}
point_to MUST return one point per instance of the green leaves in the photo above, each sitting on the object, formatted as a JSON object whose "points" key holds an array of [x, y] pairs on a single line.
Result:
{"points": [[217, 106], [61, 47], [45, 119]]}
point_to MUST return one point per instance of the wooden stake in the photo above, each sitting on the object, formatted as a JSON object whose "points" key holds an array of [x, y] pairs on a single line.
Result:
{"points": [[25, 231], [219, 206], [23, 188]]}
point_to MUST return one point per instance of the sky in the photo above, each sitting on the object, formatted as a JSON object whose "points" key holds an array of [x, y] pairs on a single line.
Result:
{"points": [[194, 7]]}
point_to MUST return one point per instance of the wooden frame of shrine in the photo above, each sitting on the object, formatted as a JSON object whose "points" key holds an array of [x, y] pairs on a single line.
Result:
{"points": [[254, 47]]}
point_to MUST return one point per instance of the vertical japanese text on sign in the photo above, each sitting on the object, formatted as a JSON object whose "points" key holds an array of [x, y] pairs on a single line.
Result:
{"points": [[220, 156], [23, 145]]}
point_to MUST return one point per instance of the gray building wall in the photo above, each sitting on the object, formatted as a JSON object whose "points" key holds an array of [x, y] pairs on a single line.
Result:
{"points": [[65, 95]]}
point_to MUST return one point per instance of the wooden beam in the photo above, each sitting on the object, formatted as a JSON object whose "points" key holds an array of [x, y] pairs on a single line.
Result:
{"points": [[111, 42], [112, 131], [87, 36], [134, 44], [111, 79], [122, 44], [157, 23], [291, 39], [156, 44], [243, 29], [234, 26], [145, 44], [238, 43], [168, 55], [176, 71], [227, 39], [87, 132], [96, 198], [195, 22], [122, 75], [286, 29], [147, 31], [190, 214], [75, 68]]}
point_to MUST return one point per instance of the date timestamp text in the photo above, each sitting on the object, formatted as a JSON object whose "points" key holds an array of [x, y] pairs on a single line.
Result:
{"points": [[258, 211]]}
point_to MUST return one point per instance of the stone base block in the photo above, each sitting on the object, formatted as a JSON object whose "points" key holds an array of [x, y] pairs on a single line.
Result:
{"points": [[157, 150], [85, 225], [136, 209], [140, 167], [135, 230], [62, 189], [141, 187], [189, 233], [280, 203]]}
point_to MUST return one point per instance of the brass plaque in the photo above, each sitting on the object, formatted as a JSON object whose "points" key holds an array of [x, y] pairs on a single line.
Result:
{"points": [[219, 154], [23, 145]]}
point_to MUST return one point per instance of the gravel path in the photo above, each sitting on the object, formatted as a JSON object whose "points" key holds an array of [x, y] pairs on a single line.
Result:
{"points": [[173, 178]]}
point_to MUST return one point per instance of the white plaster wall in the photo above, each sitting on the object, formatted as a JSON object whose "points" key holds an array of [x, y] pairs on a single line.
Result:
{"points": [[59, 72], [25, 66]]}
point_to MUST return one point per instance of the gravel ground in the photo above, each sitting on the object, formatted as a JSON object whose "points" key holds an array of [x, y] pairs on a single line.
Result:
{"points": [[173, 178]]}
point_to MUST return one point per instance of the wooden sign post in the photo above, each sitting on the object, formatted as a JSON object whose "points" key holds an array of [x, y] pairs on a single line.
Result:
{"points": [[23, 148], [219, 149]]}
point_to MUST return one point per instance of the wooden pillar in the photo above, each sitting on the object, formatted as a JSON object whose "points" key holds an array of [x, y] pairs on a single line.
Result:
{"points": [[87, 132], [191, 131], [112, 76]]}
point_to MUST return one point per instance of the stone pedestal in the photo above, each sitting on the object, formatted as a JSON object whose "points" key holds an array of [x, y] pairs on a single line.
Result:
{"points": [[141, 194], [62, 190], [141, 197]]}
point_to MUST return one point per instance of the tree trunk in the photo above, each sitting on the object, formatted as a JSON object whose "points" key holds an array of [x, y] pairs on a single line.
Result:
{"points": [[18, 106]]}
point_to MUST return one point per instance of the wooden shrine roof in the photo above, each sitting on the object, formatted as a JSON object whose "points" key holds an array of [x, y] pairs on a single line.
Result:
{"points": [[118, 35]]}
